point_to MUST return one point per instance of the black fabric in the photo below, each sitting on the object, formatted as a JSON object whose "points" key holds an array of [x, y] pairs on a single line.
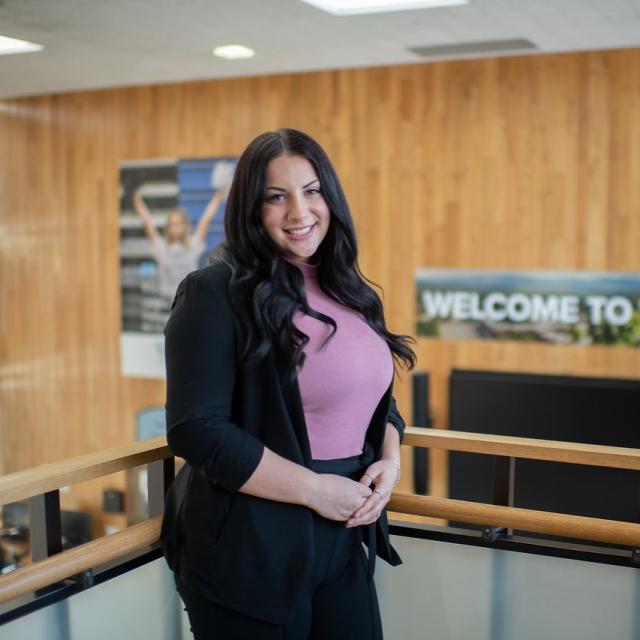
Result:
{"points": [[339, 603], [245, 553], [344, 608], [170, 531]]}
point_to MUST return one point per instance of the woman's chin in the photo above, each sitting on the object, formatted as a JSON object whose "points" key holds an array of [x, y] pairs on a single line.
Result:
{"points": [[301, 255]]}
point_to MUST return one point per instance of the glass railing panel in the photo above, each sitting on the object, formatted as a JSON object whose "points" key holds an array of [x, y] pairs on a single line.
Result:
{"points": [[446, 591], [442, 591], [141, 604]]}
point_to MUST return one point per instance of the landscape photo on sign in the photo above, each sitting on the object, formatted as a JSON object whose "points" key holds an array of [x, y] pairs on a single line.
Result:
{"points": [[561, 307]]}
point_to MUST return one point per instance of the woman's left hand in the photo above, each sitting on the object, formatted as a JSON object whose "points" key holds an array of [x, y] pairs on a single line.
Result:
{"points": [[381, 477]]}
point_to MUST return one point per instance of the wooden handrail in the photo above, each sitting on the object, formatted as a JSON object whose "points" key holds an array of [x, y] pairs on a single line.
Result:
{"points": [[530, 448], [53, 475], [555, 524], [47, 477], [60, 566], [85, 556]]}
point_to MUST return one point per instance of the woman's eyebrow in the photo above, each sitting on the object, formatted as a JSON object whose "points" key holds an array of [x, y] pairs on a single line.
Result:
{"points": [[304, 187]]}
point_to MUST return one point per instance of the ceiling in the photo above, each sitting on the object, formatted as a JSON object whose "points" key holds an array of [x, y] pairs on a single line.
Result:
{"points": [[92, 44]]}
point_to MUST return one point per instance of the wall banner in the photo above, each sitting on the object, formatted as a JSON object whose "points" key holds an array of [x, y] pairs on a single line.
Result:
{"points": [[561, 307]]}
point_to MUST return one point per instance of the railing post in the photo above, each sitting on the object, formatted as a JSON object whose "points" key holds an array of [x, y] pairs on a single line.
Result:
{"points": [[421, 418], [160, 475], [503, 493], [45, 525]]}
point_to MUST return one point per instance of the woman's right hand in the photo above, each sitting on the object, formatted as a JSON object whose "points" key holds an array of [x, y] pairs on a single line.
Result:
{"points": [[336, 497]]}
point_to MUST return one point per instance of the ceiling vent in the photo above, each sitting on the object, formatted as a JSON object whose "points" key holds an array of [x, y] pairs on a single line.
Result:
{"points": [[485, 47]]}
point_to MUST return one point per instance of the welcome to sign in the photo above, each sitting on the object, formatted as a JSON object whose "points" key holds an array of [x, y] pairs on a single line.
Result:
{"points": [[564, 307]]}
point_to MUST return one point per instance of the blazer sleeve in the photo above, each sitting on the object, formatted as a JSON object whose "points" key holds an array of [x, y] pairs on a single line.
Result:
{"points": [[201, 364], [395, 418]]}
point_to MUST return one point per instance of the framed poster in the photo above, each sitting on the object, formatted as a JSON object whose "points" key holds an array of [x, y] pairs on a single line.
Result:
{"points": [[171, 218]]}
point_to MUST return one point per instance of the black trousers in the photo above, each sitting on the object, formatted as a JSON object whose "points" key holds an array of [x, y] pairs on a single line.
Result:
{"points": [[341, 603]]}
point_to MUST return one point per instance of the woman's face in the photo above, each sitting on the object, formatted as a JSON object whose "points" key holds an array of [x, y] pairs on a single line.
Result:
{"points": [[176, 227], [294, 212]]}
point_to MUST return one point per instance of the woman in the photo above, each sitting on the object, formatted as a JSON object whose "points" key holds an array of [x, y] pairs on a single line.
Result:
{"points": [[178, 251], [279, 397]]}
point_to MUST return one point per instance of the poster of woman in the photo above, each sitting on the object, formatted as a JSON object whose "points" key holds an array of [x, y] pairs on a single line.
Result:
{"points": [[171, 218]]}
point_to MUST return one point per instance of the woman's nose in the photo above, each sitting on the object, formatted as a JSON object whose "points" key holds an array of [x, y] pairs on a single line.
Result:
{"points": [[297, 209]]}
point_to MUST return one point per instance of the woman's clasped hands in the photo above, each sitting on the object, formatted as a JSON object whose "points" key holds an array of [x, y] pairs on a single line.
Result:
{"points": [[356, 502]]}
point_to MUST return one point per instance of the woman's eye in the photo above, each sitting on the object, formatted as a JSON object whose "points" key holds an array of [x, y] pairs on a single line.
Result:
{"points": [[276, 197]]}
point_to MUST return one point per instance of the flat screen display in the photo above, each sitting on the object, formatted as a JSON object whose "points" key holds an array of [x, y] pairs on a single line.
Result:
{"points": [[574, 409]]}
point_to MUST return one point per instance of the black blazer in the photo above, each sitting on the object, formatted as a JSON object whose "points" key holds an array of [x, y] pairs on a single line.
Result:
{"points": [[247, 553]]}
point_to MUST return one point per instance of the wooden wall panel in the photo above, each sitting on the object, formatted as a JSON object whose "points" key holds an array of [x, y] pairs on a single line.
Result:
{"points": [[508, 163]]}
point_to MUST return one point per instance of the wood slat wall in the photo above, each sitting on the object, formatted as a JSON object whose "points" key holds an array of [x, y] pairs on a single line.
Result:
{"points": [[508, 163]]}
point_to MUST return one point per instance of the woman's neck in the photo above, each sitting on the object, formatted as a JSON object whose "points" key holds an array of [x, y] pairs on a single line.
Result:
{"points": [[309, 269]]}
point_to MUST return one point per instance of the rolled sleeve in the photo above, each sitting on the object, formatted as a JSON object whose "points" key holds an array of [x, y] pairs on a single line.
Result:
{"points": [[201, 365], [395, 418]]}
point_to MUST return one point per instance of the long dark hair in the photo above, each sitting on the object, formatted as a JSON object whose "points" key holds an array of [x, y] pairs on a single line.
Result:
{"points": [[265, 289]]}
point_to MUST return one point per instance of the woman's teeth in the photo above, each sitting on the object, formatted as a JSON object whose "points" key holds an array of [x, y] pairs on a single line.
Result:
{"points": [[299, 233]]}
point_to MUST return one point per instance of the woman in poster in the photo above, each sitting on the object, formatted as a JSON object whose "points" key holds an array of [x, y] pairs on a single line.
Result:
{"points": [[178, 250], [280, 373]]}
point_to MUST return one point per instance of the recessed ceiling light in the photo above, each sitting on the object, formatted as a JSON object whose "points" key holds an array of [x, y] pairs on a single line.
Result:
{"points": [[353, 7], [13, 45], [233, 52]]}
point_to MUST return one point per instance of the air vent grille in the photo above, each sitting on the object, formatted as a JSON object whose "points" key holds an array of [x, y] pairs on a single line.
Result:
{"points": [[482, 47]]}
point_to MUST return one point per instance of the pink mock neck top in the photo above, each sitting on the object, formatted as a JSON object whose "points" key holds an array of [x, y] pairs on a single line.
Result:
{"points": [[341, 384]]}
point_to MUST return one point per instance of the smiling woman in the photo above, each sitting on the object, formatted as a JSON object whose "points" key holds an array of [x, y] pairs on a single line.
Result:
{"points": [[280, 373], [294, 213]]}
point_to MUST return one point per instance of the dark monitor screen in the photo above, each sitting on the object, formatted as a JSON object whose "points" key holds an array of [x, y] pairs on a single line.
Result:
{"points": [[568, 408], [76, 528], [15, 514]]}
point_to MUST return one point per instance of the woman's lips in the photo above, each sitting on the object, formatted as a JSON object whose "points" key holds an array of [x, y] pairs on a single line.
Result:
{"points": [[298, 236]]}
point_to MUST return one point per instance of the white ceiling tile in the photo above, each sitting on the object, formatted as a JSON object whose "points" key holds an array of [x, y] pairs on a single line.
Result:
{"points": [[96, 44]]}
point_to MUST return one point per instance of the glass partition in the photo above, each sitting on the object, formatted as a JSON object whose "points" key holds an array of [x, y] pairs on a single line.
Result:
{"points": [[446, 591], [442, 591]]}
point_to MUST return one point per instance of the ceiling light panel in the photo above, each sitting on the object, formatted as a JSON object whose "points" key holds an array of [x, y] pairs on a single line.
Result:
{"points": [[359, 7], [13, 45]]}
